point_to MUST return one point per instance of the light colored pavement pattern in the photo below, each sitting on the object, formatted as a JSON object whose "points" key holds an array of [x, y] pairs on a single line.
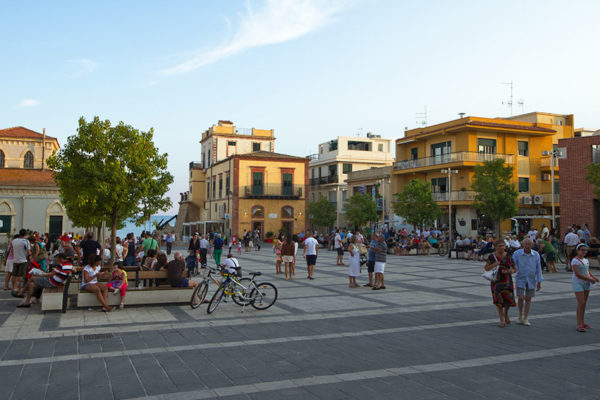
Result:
{"points": [[432, 334]]}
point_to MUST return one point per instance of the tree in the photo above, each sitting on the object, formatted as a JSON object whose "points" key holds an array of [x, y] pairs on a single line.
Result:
{"points": [[361, 209], [593, 177], [496, 196], [110, 174], [322, 213], [416, 205]]}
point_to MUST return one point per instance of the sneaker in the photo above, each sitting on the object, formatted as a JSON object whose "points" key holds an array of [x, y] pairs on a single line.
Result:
{"points": [[526, 322], [115, 291], [520, 321]]}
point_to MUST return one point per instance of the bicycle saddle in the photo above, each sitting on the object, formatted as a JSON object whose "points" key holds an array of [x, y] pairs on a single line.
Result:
{"points": [[256, 273]]}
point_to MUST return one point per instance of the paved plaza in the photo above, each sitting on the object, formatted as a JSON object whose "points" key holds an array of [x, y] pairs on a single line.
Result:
{"points": [[432, 334]]}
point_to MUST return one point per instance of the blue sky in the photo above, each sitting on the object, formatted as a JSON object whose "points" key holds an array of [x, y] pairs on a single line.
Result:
{"points": [[309, 69]]}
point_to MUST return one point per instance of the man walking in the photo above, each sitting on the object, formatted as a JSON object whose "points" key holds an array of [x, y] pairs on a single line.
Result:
{"points": [[21, 251], [528, 278], [204, 246], [339, 248], [218, 245], [380, 249], [169, 240], [311, 251]]}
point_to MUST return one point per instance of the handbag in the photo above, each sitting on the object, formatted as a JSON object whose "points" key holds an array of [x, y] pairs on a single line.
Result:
{"points": [[492, 274]]}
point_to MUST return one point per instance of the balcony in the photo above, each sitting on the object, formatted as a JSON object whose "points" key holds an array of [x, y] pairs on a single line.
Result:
{"points": [[324, 180], [548, 197], [454, 196], [458, 157], [272, 192], [545, 163]]}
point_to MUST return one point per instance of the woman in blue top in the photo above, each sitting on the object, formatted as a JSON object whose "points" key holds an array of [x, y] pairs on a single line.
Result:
{"points": [[581, 279]]}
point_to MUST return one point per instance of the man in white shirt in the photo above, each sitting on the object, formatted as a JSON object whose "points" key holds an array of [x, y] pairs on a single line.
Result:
{"points": [[339, 248], [532, 234], [545, 232], [231, 265], [571, 241], [204, 246], [311, 251], [21, 251]]}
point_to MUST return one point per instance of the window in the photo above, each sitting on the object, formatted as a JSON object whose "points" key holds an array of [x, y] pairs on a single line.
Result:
{"points": [[440, 149], [255, 146], [414, 153], [214, 188], [208, 159], [258, 212], [333, 170], [287, 188], [523, 185], [523, 148], [487, 146], [333, 145], [220, 186], [227, 185], [346, 168], [231, 143], [380, 147], [208, 189], [203, 161], [2, 159], [287, 212], [438, 185], [595, 153], [358, 145], [474, 225], [28, 160], [257, 183], [5, 225]]}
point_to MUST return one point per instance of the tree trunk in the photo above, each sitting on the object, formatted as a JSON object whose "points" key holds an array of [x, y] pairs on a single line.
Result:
{"points": [[113, 234]]}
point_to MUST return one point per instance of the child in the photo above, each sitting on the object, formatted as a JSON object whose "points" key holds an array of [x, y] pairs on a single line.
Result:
{"points": [[118, 283], [239, 245], [191, 263]]}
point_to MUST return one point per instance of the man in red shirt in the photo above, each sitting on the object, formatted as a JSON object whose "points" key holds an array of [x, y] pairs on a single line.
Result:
{"points": [[49, 280]]}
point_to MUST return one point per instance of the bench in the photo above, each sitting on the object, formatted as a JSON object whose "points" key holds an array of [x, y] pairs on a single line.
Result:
{"points": [[70, 296]]}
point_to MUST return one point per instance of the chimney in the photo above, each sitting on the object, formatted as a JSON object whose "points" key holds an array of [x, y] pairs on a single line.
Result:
{"points": [[43, 148]]}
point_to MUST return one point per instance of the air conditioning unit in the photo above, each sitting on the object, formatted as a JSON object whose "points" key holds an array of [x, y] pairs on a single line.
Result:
{"points": [[538, 199], [527, 200], [546, 177]]}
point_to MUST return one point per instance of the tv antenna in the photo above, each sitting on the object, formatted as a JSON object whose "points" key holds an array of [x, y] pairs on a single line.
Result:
{"points": [[359, 132], [521, 104], [461, 115], [509, 103], [422, 117]]}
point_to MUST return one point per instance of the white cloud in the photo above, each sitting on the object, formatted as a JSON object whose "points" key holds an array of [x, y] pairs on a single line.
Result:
{"points": [[29, 103], [85, 65], [278, 21]]}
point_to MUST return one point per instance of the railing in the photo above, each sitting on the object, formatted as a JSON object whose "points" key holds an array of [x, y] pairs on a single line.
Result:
{"points": [[548, 197], [460, 156], [324, 180], [273, 191], [455, 196], [546, 162]]}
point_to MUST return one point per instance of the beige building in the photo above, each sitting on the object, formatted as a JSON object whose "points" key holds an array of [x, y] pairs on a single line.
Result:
{"points": [[329, 168]]}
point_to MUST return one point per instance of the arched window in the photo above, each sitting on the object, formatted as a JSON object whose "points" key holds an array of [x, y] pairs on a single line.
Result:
{"points": [[1, 159], [287, 212], [28, 160], [258, 212]]}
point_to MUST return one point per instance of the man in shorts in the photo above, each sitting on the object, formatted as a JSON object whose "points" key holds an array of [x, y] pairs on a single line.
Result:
{"points": [[528, 277], [339, 248], [380, 249], [21, 253], [311, 251], [371, 259], [175, 269], [48, 280]]}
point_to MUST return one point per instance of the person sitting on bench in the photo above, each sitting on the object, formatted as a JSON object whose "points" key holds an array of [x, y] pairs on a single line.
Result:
{"points": [[48, 280]]}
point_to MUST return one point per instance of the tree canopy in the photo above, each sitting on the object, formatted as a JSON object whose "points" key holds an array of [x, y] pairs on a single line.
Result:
{"points": [[109, 174], [322, 213], [360, 210], [593, 177], [495, 196], [416, 205]]}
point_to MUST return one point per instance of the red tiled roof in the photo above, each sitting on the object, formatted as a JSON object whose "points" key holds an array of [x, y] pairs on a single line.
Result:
{"points": [[20, 132], [26, 177]]}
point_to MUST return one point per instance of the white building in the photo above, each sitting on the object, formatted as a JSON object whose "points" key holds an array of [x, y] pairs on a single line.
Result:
{"points": [[329, 168]]}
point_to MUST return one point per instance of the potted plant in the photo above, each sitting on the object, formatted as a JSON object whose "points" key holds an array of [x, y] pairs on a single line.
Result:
{"points": [[269, 236]]}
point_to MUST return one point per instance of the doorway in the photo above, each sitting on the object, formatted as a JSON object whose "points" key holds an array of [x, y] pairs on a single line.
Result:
{"points": [[288, 227], [258, 225], [55, 225]]}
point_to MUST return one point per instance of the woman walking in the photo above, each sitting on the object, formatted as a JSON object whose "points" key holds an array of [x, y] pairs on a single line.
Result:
{"points": [[502, 289], [277, 249], [582, 278], [353, 262], [288, 257]]}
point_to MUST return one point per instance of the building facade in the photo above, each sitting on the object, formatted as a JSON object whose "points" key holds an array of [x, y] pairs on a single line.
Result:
{"points": [[29, 198], [461, 144], [329, 168], [579, 204]]}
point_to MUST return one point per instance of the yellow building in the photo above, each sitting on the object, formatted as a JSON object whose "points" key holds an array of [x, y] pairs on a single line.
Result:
{"points": [[463, 143], [242, 184]]}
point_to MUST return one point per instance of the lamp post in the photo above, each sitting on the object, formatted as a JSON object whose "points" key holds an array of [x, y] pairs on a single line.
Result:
{"points": [[552, 153], [449, 171]]}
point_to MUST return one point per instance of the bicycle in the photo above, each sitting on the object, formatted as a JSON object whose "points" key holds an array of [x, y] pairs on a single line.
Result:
{"points": [[259, 295], [442, 248], [202, 289]]}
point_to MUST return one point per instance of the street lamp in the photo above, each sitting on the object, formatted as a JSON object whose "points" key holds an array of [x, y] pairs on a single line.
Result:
{"points": [[552, 153], [449, 171]]}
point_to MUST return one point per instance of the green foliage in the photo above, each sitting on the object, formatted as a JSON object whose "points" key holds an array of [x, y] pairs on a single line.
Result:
{"points": [[416, 205], [496, 196], [361, 209], [322, 213], [111, 174], [269, 235], [593, 177]]}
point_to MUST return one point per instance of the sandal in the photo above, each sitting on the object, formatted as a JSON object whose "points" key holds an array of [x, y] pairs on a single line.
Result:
{"points": [[580, 329], [586, 326]]}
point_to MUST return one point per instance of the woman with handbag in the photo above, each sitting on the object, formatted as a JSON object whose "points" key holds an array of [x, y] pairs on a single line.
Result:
{"points": [[502, 286]]}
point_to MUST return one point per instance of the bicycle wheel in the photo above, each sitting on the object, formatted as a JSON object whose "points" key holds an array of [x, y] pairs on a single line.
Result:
{"points": [[442, 249], [244, 292], [199, 291], [263, 295], [216, 299]]}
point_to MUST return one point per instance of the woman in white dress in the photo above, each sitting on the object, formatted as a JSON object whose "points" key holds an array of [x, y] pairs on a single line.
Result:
{"points": [[353, 262]]}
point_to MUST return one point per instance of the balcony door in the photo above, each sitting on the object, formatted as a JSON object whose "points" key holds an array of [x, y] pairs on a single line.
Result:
{"points": [[287, 188], [440, 152], [486, 148], [257, 183]]}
